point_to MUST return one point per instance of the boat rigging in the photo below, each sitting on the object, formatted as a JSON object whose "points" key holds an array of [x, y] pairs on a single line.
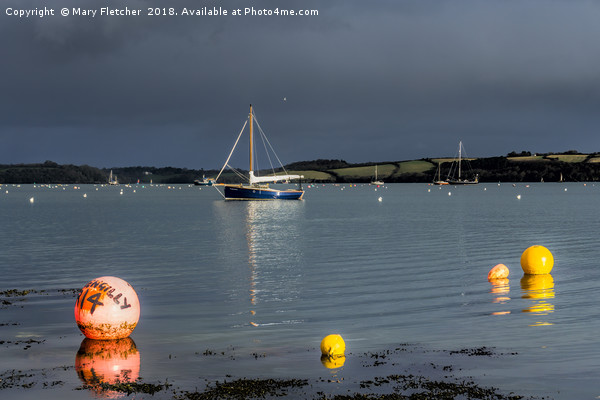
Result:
{"points": [[257, 187]]}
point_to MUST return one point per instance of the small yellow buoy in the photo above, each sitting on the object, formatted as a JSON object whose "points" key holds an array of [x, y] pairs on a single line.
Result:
{"points": [[333, 346], [537, 260], [500, 271]]}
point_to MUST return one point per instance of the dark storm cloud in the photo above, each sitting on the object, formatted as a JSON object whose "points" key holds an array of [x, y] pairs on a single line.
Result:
{"points": [[364, 81]]}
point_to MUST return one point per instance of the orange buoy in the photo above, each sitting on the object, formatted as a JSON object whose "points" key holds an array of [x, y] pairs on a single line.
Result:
{"points": [[107, 308], [500, 271]]}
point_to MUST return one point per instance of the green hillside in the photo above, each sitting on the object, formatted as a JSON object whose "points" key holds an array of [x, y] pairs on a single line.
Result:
{"points": [[523, 167]]}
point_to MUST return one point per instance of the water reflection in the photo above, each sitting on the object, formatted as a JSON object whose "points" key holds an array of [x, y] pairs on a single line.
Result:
{"points": [[500, 290], [251, 214], [333, 362], [262, 242], [539, 289], [272, 235], [107, 361]]}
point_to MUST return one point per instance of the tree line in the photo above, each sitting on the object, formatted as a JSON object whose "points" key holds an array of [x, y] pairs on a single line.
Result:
{"points": [[490, 169], [50, 172]]}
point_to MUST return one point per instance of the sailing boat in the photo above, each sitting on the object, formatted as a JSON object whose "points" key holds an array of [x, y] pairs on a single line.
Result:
{"points": [[258, 188], [376, 181], [112, 180], [458, 180], [439, 180]]}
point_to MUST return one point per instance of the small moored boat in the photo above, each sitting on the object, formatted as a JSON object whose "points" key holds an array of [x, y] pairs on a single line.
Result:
{"points": [[439, 180], [376, 181], [204, 182], [457, 169], [112, 179]]}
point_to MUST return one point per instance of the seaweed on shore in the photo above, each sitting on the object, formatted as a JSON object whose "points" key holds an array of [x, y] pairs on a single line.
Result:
{"points": [[28, 379], [23, 293], [245, 389], [15, 293], [27, 343], [480, 351], [9, 297], [421, 388], [128, 387]]}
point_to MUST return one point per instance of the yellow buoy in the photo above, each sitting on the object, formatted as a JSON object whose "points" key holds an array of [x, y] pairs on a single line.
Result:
{"points": [[537, 260], [333, 346]]}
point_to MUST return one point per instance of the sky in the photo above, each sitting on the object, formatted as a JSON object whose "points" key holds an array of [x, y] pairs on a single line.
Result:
{"points": [[362, 81]]}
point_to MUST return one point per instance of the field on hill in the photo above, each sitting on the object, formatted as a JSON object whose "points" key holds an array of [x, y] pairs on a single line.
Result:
{"points": [[365, 172]]}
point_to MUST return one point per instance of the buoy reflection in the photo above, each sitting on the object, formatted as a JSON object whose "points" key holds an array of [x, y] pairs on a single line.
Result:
{"points": [[333, 362], [107, 361], [500, 289], [539, 289]]}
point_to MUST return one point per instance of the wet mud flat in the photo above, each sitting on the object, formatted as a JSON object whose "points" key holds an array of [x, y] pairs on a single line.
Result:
{"points": [[384, 376], [406, 371]]}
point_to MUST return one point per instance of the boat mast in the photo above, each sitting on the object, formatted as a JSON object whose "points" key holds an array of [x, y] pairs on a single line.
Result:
{"points": [[459, 157], [251, 141]]}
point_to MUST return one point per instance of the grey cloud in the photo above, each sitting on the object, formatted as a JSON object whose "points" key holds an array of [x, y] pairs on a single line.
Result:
{"points": [[413, 77]]}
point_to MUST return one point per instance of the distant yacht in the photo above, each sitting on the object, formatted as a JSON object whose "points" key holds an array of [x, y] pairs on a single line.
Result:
{"points": [[439, 180], [112, 179], [458, 179], [376, 181]]}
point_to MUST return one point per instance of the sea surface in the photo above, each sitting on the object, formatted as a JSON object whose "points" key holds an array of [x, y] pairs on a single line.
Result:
{"points": [[247, 289]]}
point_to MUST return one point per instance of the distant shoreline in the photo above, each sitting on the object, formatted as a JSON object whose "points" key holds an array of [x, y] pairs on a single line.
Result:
{"points": [[523, 167]]}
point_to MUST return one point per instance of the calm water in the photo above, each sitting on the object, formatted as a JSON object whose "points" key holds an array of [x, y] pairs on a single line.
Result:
{"points": [[249, 289]]}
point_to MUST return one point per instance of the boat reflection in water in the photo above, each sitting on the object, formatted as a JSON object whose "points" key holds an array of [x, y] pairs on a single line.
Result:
{"points": [[266, 238], [107, 362], [273, 255], [500, 290], [539, 289]]}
